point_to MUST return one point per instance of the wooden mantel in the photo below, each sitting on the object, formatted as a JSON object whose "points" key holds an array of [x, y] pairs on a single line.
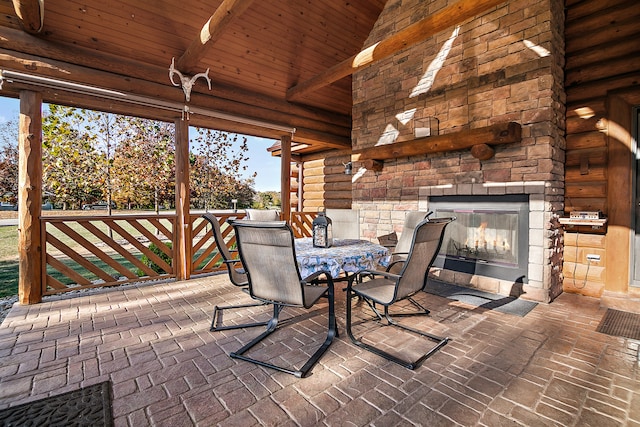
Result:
{"points": [[478, 140]]}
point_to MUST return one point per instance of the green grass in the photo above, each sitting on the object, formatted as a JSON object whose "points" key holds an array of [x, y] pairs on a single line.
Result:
{"points": [[8, 261], [9, 245]]}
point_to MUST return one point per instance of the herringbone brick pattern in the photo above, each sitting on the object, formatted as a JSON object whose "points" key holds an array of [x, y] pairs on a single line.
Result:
{"points": [[153, 343]]}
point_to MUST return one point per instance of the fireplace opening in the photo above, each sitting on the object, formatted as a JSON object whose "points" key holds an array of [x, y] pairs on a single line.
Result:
{"points": [[489, 236]]}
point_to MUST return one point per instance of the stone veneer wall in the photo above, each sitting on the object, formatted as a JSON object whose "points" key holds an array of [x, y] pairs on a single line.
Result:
{"points": [[505, 65]]}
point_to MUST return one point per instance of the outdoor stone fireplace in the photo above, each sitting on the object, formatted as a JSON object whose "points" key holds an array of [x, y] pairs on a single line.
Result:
{"points": [[494, 69]]}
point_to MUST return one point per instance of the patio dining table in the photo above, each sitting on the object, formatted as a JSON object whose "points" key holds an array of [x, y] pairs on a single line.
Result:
{"points": [[348, 255]]}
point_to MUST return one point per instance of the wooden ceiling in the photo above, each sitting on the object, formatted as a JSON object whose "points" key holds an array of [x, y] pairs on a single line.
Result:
{"points": [[262, 56]]}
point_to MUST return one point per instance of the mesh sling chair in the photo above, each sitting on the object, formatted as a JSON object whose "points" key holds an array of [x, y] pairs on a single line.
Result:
{"points": [[411, 221], [267, 251], [345, 223], [385, 288], [237, 276], [262, 215]]}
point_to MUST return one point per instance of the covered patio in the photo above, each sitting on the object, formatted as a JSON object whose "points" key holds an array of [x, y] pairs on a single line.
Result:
{"points": [[152, 344], [426, 102]]}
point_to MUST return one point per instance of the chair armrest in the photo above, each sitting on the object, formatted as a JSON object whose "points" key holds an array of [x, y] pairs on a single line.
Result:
{"points": [[392, 263], [315, 277], [373, 273], [399, 253]]}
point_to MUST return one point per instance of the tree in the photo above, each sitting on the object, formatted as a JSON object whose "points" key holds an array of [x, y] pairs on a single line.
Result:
{"points": [[103, 135], [9, 161], [265, 199], [215, 170], [144, 162], [70, 170], [93, 156]]}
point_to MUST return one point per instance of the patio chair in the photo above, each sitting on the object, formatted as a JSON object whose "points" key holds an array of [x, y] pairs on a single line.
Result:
{"points": [[345, 223], [268, 254], [385, 289], [237, 276], [262, 215], [403, 245]]}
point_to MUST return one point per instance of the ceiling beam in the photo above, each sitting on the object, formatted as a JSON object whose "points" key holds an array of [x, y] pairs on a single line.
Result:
{"points": [[224, 15], [31, 14], [414, 33], [15, 42], [318, 132]]}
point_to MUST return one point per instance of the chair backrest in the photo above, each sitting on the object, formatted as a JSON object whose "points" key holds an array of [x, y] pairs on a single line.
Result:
{"points": [[268, 255], [411, 221], [345, 223], [236, 275], [425, 245], [262, 215]]}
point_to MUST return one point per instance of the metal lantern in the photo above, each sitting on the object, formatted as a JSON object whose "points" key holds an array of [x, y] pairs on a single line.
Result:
{"points": [[322, 234]]}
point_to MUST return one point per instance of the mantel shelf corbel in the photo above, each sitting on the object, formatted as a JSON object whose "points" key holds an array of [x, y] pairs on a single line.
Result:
{"points": [[479, 140]]}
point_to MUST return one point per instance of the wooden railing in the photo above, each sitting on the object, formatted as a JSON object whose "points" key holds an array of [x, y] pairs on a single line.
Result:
{"points": [[92, 251], [81, 252], [205, 256], [301, 223]]}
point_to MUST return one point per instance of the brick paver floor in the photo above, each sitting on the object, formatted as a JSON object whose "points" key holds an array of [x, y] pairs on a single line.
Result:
{"points": [[167, 369]]}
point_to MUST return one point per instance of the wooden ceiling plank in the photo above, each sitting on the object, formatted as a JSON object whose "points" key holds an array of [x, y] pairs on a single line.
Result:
{"points": [[133, 17], [267, 66], [217, 24], [414, 33], [31, 14], [104, 36]]}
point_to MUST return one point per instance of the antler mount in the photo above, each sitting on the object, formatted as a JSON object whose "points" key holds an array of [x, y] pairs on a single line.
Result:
{"points": [[185, 81]]}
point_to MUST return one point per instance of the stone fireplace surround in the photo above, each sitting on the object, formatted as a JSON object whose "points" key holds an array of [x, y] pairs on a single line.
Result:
{"points": [[541, 247]]}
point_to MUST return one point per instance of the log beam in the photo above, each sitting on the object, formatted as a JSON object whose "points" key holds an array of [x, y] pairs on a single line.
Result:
{"points": [[415, 33], [501, 133], [482, 151], [105, 70], [315, 128], [31, 14], [30, 264], [224, 15]]}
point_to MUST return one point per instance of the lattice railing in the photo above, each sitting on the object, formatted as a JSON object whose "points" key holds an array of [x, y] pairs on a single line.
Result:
{"points": [[301, 223], [95, 251], [91, 251], [205, 256]]}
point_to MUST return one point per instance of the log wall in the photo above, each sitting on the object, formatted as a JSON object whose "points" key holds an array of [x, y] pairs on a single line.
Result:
{"points": [[324, 183], [602, 64]]}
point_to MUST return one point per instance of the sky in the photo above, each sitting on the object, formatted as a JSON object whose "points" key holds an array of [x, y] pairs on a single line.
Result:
{"points": [[260, 161]]}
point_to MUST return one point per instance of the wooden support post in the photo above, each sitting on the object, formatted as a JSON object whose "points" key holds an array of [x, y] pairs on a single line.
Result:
{"points": [[285, 176], [300, 186], [30, 285], [619, 195], [182, 233]]}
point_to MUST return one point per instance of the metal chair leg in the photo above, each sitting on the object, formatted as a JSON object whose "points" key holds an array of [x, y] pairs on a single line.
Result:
{"points": [[271, 327], [216, 321], [440, 341]]}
